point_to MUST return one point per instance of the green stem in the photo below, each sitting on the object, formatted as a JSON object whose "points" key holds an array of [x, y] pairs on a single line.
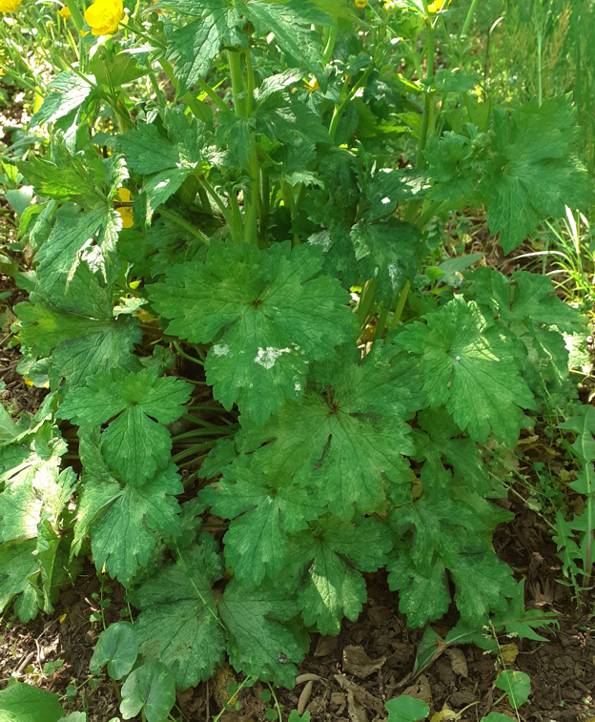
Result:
{"points": [[337, 110], [77, 16], [381, 324], [428, 114], [238, 90], [366, 300], [330, 45], [198, 433], [191, 451], [247, 680], [203, 422], [253, 203], [235, 225], [217, 199], [181, 222], [187, 356], [469, 18], [400, 307], [539, 67], [206, 88]]}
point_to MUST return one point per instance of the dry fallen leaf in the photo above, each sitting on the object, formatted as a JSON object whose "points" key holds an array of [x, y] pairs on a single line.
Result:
{"points": [[458, 662], [420, 689], [357, 662], [304, 697], [360, 694], [357, 712], [225, 683], [325, 646]]}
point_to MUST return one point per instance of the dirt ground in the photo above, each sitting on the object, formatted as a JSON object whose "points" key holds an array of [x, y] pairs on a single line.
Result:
{"points": [[344, 679]]}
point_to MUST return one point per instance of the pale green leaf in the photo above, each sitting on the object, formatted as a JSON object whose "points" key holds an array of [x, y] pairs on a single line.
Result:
{"points": [[147, 150], [405, 708], [264, 514], [349, 434], [117, 647], [23, 703], [332, 561], [517, 686], [67, 91], [149, 689], [291, 30], [18, 567], [76, 329], [423, 591], [192, 47]]}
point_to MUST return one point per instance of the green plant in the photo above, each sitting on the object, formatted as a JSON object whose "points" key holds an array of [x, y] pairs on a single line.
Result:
{"points": [[27, 704], [406, 709], [568, 258], [228, 283], [516, 685], [575, 536], [294, 716]]}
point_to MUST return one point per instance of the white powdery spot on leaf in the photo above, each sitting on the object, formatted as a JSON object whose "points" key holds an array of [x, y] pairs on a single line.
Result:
{"points": [[221, 349], [394, 273], [322, 239], [267, 357]]}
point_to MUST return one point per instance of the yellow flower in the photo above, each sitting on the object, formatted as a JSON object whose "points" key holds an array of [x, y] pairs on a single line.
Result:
{"points": [[64, 12], [104, 16], [125, 211], [437, 6], [312, 84], [9, 6], [360, 4]]}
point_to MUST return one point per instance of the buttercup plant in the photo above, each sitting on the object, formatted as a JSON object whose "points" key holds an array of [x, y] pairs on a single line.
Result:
{"points": [[233, 219], [104, 16]]}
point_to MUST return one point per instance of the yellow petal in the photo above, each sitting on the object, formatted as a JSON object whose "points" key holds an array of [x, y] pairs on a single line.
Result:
{"points": [[104, 16], [312, 84], [9, 6], [127, 216], [436, 6], [64, 12]]}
